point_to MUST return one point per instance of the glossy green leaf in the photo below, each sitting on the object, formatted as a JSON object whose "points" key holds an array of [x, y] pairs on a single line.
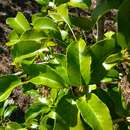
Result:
{"points": [[45, 23], [42, 2], [7, 84], [42, 74], [123, 19], [95, 113], [19, 24], [106, 99], [78, 63], [62, 10]]}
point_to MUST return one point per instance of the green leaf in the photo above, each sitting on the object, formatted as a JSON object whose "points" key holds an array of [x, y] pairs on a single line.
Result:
{"points": [[87, 2], [59, 64], [84, 23], [33, 35], [14, 126], [36, 109], [46, 121], [104, 6], [19, 24], [24, 47], [13, 37], [58, 2], [29, 35], [95, 113], [42, 2], [121, 40], [9, 111], [45, 23], [83, 4], [106, 99], [115, 96], [114, 58], [42, 74], [62, 11], [68, 117], [7, 84], [78, 63], [108, 47], [124, 11]]}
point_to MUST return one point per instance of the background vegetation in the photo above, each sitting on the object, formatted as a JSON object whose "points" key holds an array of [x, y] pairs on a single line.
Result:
{"points": [[64, 65]]}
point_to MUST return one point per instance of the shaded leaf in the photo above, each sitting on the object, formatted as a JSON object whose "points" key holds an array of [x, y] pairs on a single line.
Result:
{"points": [[7, 84], [24, 48], [82, 22], [115, 96], [123, 19], [99, 52], [104, 6], [68, 117]]}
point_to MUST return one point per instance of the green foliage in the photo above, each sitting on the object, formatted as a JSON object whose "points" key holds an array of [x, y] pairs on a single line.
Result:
{"points": [[92, 110], [19, 24], [62, 72]]}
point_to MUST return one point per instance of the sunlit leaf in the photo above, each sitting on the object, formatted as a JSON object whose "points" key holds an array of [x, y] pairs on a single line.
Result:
{"points": [[45, 23], [78, 63], [95, 113], [42, 74], [19, 24]]}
